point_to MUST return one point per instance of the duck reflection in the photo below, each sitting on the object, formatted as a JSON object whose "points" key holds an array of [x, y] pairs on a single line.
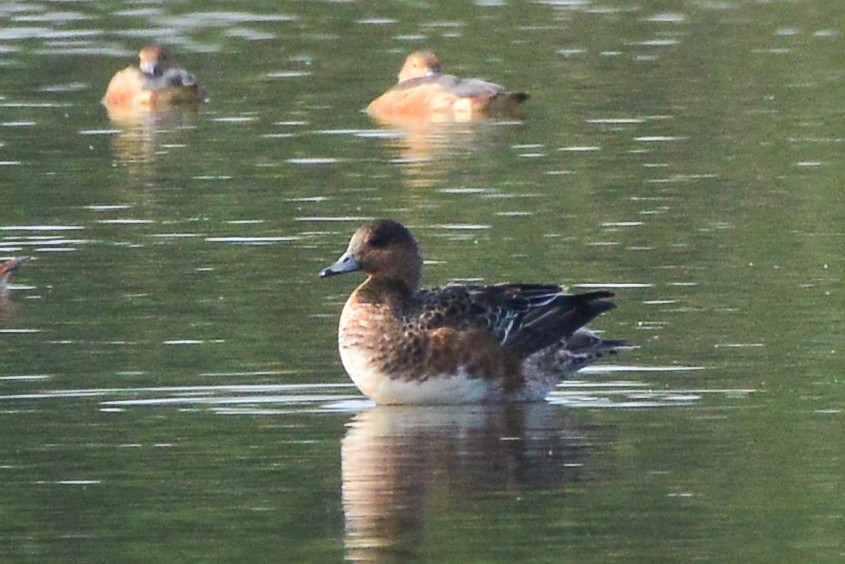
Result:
{"points": [[394, 458], [144, 132], [427, 148]]}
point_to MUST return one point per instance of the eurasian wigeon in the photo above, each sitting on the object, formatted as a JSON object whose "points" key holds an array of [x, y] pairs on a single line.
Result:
{"points": [[423, 91], [457, 344], [6, 269], [154, 83]]}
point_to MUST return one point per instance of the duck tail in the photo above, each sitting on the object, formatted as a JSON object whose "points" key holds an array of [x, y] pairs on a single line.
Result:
{"points": [[559, 320]]}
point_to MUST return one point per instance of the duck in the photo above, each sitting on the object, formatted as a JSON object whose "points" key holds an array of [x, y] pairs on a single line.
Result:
{"points": [[154, 83], [456, 344], [423, 91], [6, 269]]}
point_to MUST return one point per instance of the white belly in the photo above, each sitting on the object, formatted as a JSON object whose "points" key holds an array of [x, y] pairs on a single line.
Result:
{"points": [[436, 389]]}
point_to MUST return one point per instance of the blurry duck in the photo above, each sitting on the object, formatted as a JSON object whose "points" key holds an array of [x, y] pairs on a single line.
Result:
{"points": [[424, 92], [6, 269], [153, 84]]}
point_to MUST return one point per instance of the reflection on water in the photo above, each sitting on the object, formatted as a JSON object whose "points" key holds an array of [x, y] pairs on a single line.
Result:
{"points": [[396, 459], [142, 134], [243, 399], [253, 399], [426, 149]]}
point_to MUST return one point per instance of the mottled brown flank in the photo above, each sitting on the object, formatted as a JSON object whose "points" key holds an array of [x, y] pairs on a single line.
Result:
{"points": [[479, 354], [414, 347]]}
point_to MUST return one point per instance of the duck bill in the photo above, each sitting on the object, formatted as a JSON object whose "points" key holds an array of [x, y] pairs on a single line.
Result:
{"points": [[346, 263]]}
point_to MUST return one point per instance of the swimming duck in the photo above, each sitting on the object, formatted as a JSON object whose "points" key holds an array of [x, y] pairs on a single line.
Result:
{"points": [[154, 83], [423, 91], [402, 344]]}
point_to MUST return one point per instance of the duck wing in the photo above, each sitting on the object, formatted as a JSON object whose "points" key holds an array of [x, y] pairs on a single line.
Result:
{"points": [[524, 317]]}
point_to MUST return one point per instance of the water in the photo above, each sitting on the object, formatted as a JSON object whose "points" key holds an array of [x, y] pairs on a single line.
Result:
{"points": [[169, 381]]}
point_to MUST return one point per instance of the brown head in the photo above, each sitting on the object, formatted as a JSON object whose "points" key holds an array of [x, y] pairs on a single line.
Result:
{"points": [[419, 64], [384, 250], [153, 59]]}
